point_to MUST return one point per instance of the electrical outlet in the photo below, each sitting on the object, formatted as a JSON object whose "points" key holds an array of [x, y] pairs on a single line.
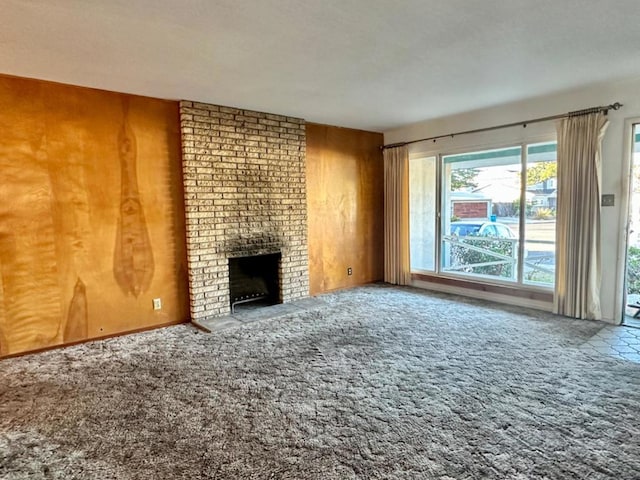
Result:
{"points": [[349, 271], [157, 304]]}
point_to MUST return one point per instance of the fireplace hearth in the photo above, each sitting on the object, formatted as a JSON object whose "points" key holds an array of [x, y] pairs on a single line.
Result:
{"points": [[254, 278]]}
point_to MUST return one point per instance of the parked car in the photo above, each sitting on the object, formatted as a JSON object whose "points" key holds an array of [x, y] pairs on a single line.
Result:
{"points": [[462, 228]]}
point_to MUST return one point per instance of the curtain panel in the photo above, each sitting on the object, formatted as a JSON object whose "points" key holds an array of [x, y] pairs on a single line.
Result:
{"points": [[578, 264], [396, 216]]}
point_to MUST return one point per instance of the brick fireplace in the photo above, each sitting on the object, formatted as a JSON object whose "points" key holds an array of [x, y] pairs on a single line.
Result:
{"points": [[245, 195], [254, 279]]}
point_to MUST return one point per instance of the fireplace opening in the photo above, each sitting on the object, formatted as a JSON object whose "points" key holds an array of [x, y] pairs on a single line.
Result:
{"points": [[254, 280]]}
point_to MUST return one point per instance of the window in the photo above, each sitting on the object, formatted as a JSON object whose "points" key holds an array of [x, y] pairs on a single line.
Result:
{"points": [[540, 215], [494, 217], [422, 213]]}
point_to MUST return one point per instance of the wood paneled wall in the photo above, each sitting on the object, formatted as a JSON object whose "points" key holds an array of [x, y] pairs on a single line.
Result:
{"points": [[345, 207], [91, 214]]}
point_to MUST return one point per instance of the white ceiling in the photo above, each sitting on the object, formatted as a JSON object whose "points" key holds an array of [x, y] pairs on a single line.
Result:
{"points": [[369, 64]]}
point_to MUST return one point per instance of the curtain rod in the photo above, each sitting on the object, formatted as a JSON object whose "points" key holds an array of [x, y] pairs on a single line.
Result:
{"points": [[523, 123]]}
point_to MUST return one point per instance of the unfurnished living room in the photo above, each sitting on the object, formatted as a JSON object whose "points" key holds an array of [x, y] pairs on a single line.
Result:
{"points": [[297, 239]]}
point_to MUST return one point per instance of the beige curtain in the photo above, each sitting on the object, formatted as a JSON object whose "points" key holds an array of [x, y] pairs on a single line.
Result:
{"points": [[578, 270], [396, 216]]}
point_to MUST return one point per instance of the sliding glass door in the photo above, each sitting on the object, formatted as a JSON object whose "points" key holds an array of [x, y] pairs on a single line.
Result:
{"points": [[632, 280]]}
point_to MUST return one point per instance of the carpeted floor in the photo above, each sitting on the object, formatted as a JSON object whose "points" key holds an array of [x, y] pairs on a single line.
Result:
{"points": [[380, 382]]}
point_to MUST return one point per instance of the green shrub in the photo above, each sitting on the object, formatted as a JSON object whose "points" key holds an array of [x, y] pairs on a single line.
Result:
{"points": [[540, 277], [462, 256], [544, 214], [633, 270]]}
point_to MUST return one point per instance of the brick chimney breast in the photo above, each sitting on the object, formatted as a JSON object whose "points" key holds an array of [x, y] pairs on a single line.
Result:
{"points": [[245, 194]]}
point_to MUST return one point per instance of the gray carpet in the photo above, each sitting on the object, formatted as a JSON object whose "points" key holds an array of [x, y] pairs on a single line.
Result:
{"points": [[380, 382]]}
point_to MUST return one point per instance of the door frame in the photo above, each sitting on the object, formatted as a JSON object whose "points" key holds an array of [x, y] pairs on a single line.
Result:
{"points": [[625, 210]]}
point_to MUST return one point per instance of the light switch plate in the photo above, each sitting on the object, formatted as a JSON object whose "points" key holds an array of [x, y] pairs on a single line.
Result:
{"points": [[608, 200]]}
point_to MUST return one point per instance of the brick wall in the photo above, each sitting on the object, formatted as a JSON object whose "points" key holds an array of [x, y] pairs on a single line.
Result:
{"points": [[471, 209], [245, 194]]}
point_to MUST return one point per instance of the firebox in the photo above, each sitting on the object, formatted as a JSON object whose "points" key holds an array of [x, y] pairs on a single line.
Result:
{"points": [[254, 278]]}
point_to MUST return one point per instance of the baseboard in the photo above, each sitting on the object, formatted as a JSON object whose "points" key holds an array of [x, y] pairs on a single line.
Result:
{"points": [[494, 297], [93, 339]]}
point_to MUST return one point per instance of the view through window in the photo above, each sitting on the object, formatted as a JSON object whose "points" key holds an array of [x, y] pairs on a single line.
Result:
{"points": [[497, 214], [632, 309]]}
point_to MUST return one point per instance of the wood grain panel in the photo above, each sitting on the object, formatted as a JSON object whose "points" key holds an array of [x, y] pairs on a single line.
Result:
{"points": [[133, 258], [77, 325], [77, 260], [345, 207]]}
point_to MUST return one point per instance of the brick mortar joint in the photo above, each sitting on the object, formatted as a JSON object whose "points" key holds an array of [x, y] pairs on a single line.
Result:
{"points": [[221, 138]]}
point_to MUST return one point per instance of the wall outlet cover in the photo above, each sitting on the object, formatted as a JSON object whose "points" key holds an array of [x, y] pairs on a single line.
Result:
{"points": [[157, 304], [608, 200]]}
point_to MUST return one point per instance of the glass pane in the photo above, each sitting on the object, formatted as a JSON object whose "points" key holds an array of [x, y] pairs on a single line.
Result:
{"points": [[540, 215], [480, 208], [633, 246], [422, 213]]}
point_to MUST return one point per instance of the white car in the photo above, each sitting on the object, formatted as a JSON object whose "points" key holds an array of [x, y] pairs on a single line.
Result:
{"points": [[462, 228]]}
